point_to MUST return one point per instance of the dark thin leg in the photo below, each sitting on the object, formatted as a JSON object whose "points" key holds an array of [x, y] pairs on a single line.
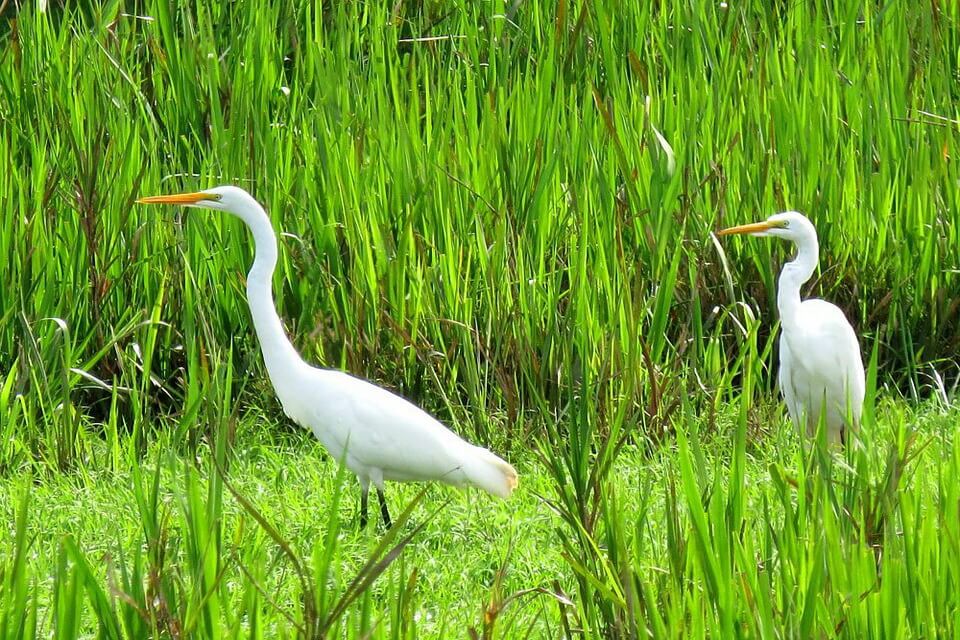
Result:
{"points": [[364, 493], [383, 508]]}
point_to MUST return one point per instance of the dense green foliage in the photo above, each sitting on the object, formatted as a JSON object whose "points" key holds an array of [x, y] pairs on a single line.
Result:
{"points": [[502, 210]]}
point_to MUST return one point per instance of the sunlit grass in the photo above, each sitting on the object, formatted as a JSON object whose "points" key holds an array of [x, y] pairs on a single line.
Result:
{"points": [[688, 541]]}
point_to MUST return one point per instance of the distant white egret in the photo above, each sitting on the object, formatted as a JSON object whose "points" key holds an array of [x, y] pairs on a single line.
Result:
{"points": [[379, 435], [821, 368]]}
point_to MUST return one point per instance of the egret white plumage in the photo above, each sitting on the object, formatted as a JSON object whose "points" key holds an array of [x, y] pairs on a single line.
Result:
{"points": [[377, 434], [821, 369]]}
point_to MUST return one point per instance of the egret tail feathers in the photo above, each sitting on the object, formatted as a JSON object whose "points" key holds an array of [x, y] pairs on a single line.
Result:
{"points": [[490, 473]]}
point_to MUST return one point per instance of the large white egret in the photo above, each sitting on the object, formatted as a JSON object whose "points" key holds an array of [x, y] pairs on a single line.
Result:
{"points": [[379, 435], [821, 369]]}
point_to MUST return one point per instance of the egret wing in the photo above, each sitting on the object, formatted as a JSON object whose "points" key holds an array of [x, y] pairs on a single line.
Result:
{"points": [[826, 361], [380, 432]]}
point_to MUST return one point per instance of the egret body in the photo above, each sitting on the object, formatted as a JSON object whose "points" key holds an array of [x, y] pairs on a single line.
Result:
{"points": [[377, 434], [821, 369]]}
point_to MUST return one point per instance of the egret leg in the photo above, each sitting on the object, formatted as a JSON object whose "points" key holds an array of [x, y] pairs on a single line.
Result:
{"points": [[364, 494], [383, 508]]}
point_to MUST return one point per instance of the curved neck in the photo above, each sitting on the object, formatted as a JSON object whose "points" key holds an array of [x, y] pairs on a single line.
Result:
{"points": [[278, 353], [793, 276]]}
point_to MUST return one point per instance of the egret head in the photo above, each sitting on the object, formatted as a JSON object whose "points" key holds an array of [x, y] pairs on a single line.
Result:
{"points": [[233, 200], [220, 198], [789, 225]]}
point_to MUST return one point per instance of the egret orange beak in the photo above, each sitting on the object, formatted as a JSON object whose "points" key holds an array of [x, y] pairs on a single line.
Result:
{"points": [[180, 198], [756, 227]]}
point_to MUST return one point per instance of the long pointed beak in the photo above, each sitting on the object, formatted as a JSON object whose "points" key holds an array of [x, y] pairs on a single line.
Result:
{"points": [[756, 227], [180, 198]]}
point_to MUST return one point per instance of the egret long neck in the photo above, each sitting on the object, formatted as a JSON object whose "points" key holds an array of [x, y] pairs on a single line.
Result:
{"points": [[794, 274], [278, 353]]}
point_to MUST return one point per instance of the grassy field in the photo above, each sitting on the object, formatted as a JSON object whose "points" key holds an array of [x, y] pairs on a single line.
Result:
{"points": [[502, 211]]}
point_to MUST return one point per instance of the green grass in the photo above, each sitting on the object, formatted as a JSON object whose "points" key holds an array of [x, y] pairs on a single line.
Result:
{"points": [[510, 225], [713, 535]]}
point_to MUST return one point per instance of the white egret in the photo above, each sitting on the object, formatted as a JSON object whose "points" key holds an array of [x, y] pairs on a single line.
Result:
{"points": [[821, 369], [379, 435]]}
